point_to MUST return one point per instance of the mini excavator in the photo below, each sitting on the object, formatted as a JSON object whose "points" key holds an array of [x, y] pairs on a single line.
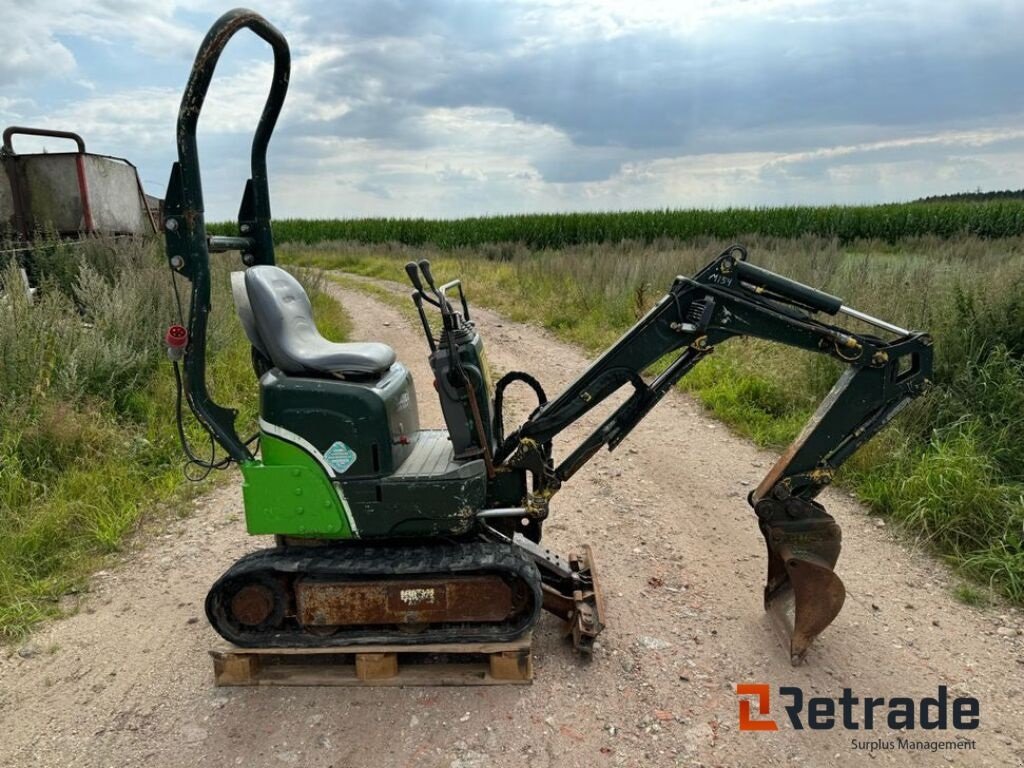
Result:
{"points": [[390, 532]]}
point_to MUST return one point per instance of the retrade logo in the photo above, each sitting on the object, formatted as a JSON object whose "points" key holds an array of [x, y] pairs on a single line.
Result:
{"points": [[852, 713], [761, 691]]}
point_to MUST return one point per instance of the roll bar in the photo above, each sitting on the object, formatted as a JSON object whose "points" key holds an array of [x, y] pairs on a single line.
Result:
{"points": [[188, 247]]}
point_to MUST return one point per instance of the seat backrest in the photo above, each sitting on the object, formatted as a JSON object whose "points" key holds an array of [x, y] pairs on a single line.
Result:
{"points": [[282, 316], [244, 309]]}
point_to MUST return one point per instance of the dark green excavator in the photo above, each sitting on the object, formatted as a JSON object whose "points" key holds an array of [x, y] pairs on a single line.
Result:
{"points": [[386, 531]]}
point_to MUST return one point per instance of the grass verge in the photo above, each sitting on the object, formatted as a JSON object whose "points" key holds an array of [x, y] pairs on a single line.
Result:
{"points": [[87, 439]]}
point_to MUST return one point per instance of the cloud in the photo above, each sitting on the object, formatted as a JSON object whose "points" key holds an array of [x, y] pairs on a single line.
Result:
{"points": [[656, 89], [31, 53], [611, 88], [920, 148], [34, 51], [455, 107]]}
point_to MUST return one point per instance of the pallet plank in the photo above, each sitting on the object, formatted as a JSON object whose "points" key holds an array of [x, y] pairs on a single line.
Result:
{"points": [[511, 645], [377, 665]]}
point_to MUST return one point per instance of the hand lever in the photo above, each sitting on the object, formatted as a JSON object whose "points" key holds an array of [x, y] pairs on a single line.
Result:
{"points": [[443, 303], [412, 270], [414, 275], [424, 266]]}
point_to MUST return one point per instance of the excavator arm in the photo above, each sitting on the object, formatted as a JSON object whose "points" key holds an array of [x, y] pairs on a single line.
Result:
{"points": [[727, 299]]}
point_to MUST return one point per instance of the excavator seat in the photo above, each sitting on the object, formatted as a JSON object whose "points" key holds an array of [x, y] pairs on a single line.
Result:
{"points": [[278, 319]]}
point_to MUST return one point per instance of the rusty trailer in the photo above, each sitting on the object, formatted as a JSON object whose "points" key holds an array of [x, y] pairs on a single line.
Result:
{"points": [[70, 193]]}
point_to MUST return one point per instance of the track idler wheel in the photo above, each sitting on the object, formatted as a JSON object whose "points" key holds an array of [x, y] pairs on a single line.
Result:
{"points": [[254, 603], [802, 595]]}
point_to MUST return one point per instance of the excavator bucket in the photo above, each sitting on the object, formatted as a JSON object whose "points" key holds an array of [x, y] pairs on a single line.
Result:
{"points": [[803, 594]]}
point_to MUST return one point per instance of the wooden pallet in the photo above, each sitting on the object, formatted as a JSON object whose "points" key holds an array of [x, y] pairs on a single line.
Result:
{"points": [[371, 665]]}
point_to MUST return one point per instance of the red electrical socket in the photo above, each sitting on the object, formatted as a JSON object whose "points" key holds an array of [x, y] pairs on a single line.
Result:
{"points": [[176, 340]]}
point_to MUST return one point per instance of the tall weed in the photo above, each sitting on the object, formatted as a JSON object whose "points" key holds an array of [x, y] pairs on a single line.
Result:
{"points": [[87, 439]]}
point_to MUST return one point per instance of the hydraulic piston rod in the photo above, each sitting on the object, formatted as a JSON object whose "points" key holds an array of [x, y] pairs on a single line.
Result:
{"points": [[870, 320]]}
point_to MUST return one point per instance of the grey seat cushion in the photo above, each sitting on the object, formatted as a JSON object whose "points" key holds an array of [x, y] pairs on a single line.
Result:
{"points": [[283, 321]]}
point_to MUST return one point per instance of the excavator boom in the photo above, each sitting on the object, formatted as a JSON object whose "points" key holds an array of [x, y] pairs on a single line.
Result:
{"points": [[731, 298]]}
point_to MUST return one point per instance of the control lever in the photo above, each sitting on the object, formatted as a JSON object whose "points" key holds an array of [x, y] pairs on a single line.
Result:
{"points": [[418, 297], [424, 266], [457, 374], [448, 320], [447, 314], [425, 269], [412, 270]]}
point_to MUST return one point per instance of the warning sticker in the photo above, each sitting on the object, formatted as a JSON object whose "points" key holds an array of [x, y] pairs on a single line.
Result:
{"points": [[340, 457]]}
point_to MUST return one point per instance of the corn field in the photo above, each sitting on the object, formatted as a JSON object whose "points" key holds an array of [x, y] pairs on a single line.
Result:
{"points": [[892, 222]]}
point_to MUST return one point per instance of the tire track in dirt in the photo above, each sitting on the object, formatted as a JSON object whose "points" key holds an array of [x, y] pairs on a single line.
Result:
{"points": [[127, 680]]}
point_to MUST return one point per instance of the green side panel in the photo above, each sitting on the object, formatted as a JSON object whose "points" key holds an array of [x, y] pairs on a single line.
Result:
{"points": [[289, 494]]}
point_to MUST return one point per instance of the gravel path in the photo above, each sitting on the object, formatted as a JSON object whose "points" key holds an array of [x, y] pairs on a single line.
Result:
{"points": [[126, 681]]}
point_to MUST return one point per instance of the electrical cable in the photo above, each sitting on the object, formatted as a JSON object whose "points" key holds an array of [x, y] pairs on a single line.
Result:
{"points": [[205, 465]]}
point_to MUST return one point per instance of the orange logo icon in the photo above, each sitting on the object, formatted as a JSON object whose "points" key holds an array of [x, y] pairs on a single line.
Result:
{"points": [[763, 707]]}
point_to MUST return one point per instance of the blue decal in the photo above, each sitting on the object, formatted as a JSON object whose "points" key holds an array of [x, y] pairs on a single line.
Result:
{"points": [[340, 457]]}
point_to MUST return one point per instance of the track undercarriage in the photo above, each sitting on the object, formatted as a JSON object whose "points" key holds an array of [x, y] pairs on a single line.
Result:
{"points": [[351, 594]]}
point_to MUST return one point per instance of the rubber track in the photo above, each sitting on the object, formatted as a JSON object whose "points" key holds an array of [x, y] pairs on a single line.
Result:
{"points": [[353, 561]]}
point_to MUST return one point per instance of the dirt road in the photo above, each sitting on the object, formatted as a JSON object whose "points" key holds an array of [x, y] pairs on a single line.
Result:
{"points": [[127, 681]]}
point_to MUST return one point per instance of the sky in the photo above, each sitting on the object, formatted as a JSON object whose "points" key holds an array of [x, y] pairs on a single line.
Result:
{"points": [[450, 108]]}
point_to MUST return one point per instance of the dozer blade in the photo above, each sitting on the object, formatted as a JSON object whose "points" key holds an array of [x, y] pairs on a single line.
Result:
{"points": [[571, 590], [588, 616], [802, 595]]}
